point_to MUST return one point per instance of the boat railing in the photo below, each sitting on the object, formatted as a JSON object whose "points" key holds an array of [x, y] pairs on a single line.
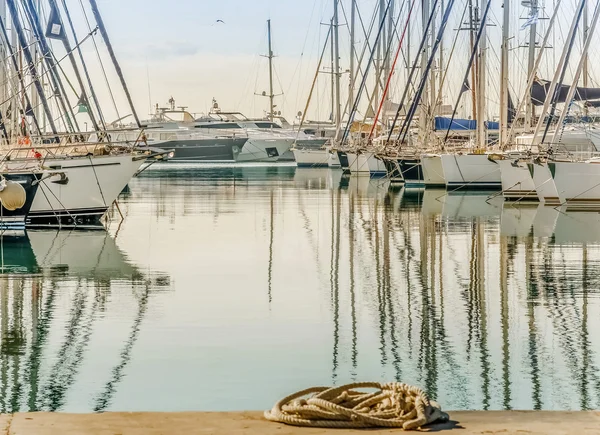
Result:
{"points": [[66, 149]]}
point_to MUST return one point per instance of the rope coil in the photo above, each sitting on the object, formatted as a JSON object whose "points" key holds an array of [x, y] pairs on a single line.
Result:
{"points": [[394, 405]]}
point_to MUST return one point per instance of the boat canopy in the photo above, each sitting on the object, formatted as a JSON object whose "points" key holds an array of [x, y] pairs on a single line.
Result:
{"points": [[540, 88], [442, 123]]}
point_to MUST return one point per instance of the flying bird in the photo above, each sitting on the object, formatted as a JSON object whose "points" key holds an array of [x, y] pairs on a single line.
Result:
{"points": [[220, 21]]}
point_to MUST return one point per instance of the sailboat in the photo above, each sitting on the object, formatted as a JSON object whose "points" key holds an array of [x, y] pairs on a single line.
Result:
{"points": [[78, 179]]}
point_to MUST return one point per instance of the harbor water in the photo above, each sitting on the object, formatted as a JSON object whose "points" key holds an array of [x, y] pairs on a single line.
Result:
{"points": [[226, 288]]}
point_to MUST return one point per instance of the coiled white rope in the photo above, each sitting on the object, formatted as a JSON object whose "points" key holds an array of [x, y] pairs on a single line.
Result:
{"points": [[393, 405]]}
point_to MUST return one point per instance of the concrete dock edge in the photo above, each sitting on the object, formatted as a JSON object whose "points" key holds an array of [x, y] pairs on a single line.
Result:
{"points": [[252, 423]]}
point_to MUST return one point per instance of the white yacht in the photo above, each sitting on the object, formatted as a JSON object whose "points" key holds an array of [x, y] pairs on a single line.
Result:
{"points": [[78, 182]]}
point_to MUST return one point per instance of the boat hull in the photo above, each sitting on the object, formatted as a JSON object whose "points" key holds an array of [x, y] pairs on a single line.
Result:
{"points": [[412, 172], [470, 171], [577, 183], [311, 158], [366, 164], [517, 182], [78, 191], [205, 149], [544, 183], [433, 171], [14, 220], [264, 150]]}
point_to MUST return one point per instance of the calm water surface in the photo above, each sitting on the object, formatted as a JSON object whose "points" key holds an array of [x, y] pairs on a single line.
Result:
{"points": [[227, 288]]}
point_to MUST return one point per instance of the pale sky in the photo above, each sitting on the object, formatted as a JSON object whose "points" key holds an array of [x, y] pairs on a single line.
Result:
{"points": [[178, 49], [187, 54]]}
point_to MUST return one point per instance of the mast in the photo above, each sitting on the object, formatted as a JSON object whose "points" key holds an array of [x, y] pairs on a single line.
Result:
{"points": [[480, 137], [441, 66], [388, 47], [530, 108], [336, 66], [332, 115], [504, 74], [270, 56], [382, 11], [432, 86], [424, 58], [474, 65], [586, 30], [352, 50]]}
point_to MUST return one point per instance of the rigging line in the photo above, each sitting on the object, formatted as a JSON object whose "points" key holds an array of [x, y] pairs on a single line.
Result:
{"points": [[107, 82], [562, 74], [85, 69], [446, 70], [67, 46], [371, 27], [387, 84], [412, 72], [38, 76], [466, 76], [19, 74], [97, 181], [62, 96], [312, 88], [385, 59], [364, 79], [358, 58], [417, 99], [116, 65]]}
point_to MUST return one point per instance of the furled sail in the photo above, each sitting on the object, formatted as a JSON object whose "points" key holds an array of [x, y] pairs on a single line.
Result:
{"points": [[540, 88]]}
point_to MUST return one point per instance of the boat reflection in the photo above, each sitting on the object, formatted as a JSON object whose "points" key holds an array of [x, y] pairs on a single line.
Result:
{"points": [[55, 295]]}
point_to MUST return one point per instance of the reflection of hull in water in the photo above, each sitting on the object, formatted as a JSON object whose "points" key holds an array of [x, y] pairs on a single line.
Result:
{"points": [[517, 221], [17, 255], [577, 227], [433, 202], [544, 222], [469, 205], [517, 182], [367, 187], [86, 254], [470, 171], [219, 172], [317, 178]]}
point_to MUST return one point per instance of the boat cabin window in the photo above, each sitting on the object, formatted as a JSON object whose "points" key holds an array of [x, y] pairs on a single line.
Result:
{"points": [[228, 125], [267, 125]]}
